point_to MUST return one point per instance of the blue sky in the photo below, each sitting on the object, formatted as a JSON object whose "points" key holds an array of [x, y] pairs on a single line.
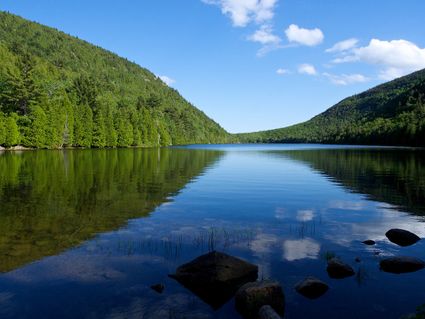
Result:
{"points": [[251, 64]]}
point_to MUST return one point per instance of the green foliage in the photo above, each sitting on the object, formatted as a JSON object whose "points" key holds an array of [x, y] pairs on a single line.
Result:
{"points": [[389, 114], [90, 97], [38, 130], [12, 137], [2, 128]]}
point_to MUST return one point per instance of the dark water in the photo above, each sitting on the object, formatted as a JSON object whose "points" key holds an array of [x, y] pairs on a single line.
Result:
{"points": [[83, 234]]}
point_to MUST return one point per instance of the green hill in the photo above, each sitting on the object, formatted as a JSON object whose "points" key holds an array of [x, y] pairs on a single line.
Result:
{"points": [[57, 90], [389, 114]]}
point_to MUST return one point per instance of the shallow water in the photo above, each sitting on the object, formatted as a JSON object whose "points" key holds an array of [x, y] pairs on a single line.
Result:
{"points": [[83, 234]]}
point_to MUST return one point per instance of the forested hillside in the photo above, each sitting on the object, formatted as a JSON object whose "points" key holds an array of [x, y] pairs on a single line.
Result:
{"points": [[57, 90], [390, 114]]}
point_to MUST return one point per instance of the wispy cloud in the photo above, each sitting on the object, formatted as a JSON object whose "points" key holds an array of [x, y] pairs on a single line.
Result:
{"points": [[306, 68], [343, 45], [243, 12], [282, 71], [167, 80], [346, 79]]}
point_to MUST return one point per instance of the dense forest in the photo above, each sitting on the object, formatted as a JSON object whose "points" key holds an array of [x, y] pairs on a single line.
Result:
{"points": [[390, 114], [57, 90]]}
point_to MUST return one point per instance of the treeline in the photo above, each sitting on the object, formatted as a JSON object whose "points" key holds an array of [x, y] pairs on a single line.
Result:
{"points": [[56, 91], [390, 114]]}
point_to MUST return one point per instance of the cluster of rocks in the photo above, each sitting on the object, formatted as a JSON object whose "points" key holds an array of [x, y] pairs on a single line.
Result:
{"points": [[217, 277], [400, 264]]}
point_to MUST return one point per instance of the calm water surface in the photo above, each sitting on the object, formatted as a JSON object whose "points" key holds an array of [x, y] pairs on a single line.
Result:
{"points": [[83, 234]]}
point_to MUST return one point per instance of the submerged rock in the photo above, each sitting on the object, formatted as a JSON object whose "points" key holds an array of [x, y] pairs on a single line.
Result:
{"points": [[357, 260], [402, 237], [337, 269], [159, 288], [369, 242], [267, 312], [311, 288], [215, 277], [254, 295], [399, 265]]}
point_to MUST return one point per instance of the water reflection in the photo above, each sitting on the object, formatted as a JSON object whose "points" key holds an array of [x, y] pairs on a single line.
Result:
{"points": [[284, 210], [54, 200]]}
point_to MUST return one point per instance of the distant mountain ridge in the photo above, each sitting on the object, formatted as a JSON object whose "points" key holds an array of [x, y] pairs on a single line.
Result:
{"points": [[392, 113], [57, 90]]}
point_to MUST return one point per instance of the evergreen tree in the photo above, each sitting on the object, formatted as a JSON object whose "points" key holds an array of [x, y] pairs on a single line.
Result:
{"points": [[111, 133], [99, 131], [2, 128], [83, 126], [12, 131], [20, 90], [38, 129]]}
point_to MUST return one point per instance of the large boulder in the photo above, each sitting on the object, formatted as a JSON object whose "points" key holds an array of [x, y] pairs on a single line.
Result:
{"points": [[254, 295], [311, 288], [337, 269], [215, 277], [402, 237], [267, 312], [399, 265]]}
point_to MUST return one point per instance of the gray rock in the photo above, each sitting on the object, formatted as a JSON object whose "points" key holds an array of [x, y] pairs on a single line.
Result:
{"points": [[311, 288], [400, 265], [337, 269], [267, 312], [215, 277], [402, 237], [369, 242], [254, 295]]}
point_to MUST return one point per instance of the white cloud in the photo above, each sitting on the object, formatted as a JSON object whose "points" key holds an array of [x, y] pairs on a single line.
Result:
{"points": [[243, 12], [305, 215], [167, 80], [307, 69], [265, 36], [309, 37], [343, 46], [395, 58], [282, 71], [346, 79], [300, 249]]}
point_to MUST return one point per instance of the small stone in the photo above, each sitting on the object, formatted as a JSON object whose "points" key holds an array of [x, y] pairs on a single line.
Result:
{"points": [[402, 237], [254, 295], [357, 260], [338, 270], [369, 242], [311, 288], [400, 265], [159, 288], [267, 312]]}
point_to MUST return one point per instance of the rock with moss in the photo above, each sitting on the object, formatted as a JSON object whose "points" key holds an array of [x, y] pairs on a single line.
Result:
{"points": [[254, 295]]}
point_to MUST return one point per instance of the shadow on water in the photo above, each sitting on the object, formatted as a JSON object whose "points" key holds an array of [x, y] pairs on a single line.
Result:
{"points": [[54, 200], [395, 177]]}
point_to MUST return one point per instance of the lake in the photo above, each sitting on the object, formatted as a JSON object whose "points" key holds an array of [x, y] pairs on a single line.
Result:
{"points": [[85, 233]]}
